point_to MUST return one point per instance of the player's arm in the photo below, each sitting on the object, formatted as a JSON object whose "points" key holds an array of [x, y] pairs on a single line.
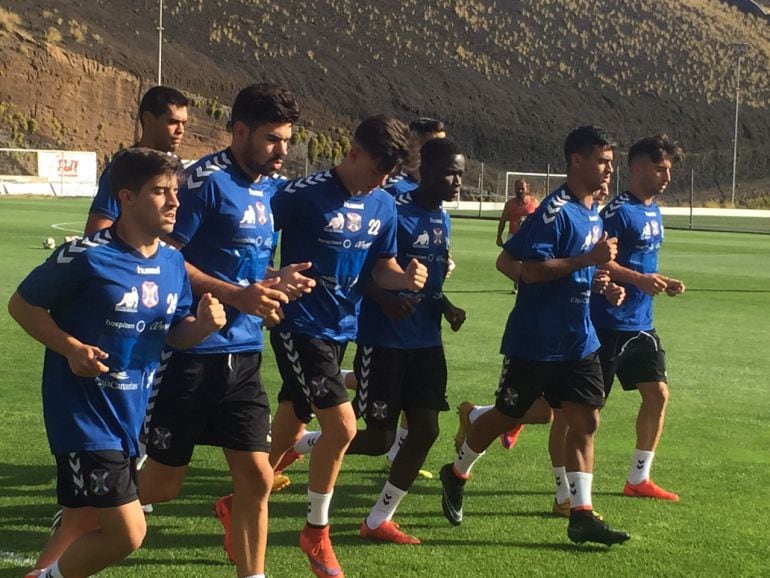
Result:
{"points": [[454, 315], [388, 274], [96, 222], [501, 225], [84, 360], [649, 283], [509, 266], [551, 269], [260, 299], [190, 331], [394, 306]]}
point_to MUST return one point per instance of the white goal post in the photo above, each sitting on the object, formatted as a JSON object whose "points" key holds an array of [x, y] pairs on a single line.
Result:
{"points": [[546, 177]]}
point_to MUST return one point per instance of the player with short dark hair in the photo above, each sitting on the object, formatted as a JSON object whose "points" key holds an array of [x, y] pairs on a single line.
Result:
{"points": [[549, 343], [212, 394], [163, 116], [104, 306], [421, 130], [342, 222], [631, 348]]}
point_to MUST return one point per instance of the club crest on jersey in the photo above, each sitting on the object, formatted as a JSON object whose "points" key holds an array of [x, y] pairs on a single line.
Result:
{"points": [[422, 240], [249, 217], [150, 297], [438, 236], [261, 213], [335, 224], [129, 303], [592, 238], [171, 301], [353, 222]]}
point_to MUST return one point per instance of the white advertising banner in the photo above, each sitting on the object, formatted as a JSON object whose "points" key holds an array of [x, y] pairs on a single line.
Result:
{"points": [[69, 173]]}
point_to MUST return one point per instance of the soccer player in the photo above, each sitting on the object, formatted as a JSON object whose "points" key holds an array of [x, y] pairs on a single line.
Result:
{"points": [[549, 343], [212, 394], [163, 116], [516, 210], [630, 347], [104, 306], [345, 225], [421, 131]]}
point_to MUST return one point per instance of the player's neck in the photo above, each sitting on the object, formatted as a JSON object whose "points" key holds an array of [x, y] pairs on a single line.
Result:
{"points": [[424, 200], [144, 243], [580, 192], [636, 192]]}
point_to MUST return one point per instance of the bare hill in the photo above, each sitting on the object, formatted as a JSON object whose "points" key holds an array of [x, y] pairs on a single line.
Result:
{"points": [[510, 77]]}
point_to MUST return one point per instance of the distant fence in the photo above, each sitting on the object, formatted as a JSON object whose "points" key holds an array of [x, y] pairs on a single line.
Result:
{"points": [[694, 218]]}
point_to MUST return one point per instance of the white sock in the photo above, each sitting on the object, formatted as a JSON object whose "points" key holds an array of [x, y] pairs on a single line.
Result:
{"points": [[52, 571], [580, 490], [344, 374], [401, 434], [641, 464], [562, 485], [318, 508], [386, 505], [478, 411], [306, 442], [465, 459]]}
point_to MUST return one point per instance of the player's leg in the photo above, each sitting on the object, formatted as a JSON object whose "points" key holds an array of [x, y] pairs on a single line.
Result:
{"points": [[121, 531], [557, 438], [252, 481], [580, 388], [642, 366], [75, 523]]}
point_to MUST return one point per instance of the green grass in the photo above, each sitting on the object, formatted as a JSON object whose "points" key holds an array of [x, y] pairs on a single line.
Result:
{"points": [[714, 450]]}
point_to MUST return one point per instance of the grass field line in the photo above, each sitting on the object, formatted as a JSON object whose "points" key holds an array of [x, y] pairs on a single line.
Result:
{"points": [[16, 559], [63, 227]]}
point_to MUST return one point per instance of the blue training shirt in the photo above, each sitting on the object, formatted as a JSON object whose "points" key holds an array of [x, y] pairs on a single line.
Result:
{"points": [[639, 229], [106, 294], [424, 235], [342, 236], [551, 321], [226, 225], [401, 183], [104, 203]]}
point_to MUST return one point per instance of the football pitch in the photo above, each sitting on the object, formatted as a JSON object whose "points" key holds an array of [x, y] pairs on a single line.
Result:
{"points": [[714, 451]]}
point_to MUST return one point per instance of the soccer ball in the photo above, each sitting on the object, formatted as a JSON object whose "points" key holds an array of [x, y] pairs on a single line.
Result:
{"points": [[49, 243]]}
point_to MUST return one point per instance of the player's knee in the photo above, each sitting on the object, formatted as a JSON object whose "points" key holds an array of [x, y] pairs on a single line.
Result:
{"points": [[656, 395]]}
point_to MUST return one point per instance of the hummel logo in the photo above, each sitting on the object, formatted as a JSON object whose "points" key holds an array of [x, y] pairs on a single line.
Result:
{"points": [[572, 488], [387, 499], [639, 464]]}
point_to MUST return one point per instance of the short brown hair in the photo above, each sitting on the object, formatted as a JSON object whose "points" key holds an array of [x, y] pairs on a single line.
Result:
{"points": [[385, 138], [656, 148], [132, 168]]}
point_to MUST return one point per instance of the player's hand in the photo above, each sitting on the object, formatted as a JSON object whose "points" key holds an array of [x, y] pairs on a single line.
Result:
{"points": [[499, 241], [293, 283], [450, 266], [211, 313], [600, 281], [454, 316], [652, 283], [604, 251], [674, 287], [263, 300], [416, 275], [86, 361], [615, 294], [397, 307]]}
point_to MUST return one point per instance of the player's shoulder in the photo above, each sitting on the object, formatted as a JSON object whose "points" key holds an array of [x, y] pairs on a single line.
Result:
{"points": [[313, 181], [618, 204], [83, 247], [214, 166], [553, 206]]}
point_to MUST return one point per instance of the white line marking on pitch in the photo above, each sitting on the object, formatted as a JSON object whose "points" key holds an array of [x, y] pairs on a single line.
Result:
{"points": [[62, 227], [17, 559]]}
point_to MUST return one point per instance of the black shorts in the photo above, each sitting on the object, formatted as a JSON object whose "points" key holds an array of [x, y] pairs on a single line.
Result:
{"points": [[213, 399], [101, 479], [310, 369], [522, 381], [634, 356], [391, 380]]}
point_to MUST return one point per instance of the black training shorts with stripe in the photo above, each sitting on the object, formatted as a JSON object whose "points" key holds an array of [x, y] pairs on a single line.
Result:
{"points": [[634, 356]]}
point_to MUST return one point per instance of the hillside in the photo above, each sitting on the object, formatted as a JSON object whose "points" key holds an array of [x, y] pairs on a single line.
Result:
{"points": [[509, 77]]}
